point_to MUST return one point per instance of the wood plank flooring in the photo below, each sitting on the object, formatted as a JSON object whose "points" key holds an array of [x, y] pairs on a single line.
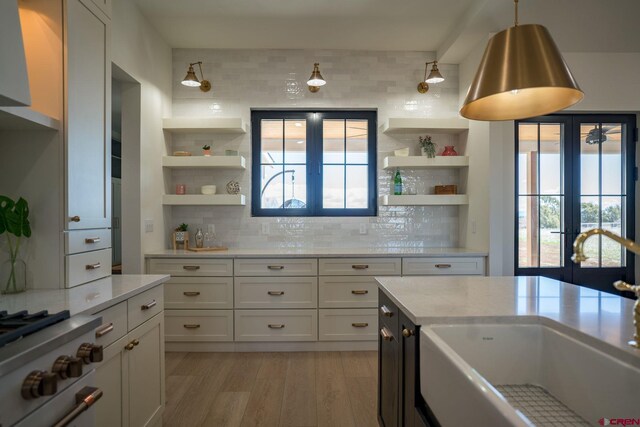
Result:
{"points": [[314, 389]]}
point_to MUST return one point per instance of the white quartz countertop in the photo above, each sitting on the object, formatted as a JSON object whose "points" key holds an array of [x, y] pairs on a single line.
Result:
{"points": [[84, 299], [319, 253], [599, 317]]}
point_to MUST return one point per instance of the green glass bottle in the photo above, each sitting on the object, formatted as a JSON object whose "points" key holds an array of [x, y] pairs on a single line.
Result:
{"points": [[397, 183]]}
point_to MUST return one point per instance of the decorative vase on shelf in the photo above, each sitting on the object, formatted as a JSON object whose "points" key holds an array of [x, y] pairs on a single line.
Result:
{"points": [[13, 276], [449, 151], [199, 238]]}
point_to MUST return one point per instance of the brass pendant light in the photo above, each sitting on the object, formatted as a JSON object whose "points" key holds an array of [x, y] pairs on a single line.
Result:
{"points": [[522, 74]]}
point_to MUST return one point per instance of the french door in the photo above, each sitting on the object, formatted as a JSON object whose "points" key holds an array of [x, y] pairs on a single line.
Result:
{"points": [[574, 173]]}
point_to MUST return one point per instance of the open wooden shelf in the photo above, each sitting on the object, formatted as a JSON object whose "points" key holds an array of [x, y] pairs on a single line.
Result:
{"points": [[413, 125], [24, 118], [205, 125], [216, 162], [425, 200], [423, 162], [203, 200]]}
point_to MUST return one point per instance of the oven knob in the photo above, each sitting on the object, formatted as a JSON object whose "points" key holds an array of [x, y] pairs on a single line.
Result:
{"points": [[39, 383], [67, 367], [90, 353]]}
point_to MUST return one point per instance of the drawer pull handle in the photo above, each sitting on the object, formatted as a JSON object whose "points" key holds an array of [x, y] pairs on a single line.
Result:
{"points": [[90, 240], [443, 265], [360, 325], [359, 266], [195, 326], [74, 219], [191, 267], [386, 334], [385, 311], [272, 326], [95, 266], [359, 291], [191, 294], [148, 305], [276, 293], [104, 330], [275, 267]]}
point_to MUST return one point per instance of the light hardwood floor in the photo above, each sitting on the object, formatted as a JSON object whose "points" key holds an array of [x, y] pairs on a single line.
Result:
{"points": [[271, 389]]}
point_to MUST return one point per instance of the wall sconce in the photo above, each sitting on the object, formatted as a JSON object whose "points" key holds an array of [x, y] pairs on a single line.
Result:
{"points": [[434, 77], [316, 80], [191, 80]]}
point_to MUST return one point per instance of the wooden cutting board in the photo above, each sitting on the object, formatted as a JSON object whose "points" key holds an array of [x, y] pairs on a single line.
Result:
{"points": [[212, 249]]}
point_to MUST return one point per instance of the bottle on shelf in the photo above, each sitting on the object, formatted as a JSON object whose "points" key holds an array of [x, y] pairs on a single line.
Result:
{"points": [[397, 183]]}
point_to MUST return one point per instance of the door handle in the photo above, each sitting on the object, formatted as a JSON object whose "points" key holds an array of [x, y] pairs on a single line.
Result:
{"points": [[85, 398]]}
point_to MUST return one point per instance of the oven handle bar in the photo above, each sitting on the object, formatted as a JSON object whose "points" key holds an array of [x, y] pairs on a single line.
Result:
{"points": [[85, 398]]}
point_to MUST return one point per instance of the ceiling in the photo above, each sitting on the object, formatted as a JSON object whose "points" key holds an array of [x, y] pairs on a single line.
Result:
{"points": [[442, 26]]}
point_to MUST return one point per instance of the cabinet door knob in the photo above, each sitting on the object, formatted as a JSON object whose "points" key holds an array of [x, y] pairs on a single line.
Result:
{"points": [[74, 219], [407, 333], [359, 292], [385, 311], [386, 334], [129, 346]]}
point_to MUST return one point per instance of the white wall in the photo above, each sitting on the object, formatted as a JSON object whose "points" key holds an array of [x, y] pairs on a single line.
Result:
{"points": [[610, 83], [243, 79], [139, 50]]}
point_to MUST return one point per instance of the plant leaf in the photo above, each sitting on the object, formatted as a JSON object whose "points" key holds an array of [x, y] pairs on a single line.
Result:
{"points": [[5, 204], [22, 211]]}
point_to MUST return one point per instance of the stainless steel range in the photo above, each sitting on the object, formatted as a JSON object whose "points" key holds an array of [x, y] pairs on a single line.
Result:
{"points": [[47, 369]]}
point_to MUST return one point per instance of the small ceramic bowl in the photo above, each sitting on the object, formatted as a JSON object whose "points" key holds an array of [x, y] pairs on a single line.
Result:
{"points": [[208, 189], [401, 152]]}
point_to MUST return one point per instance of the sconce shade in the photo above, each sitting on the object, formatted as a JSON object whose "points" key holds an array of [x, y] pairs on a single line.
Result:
{"points": [[434, 75], [191, 79], [522, 74], [316, 78]]}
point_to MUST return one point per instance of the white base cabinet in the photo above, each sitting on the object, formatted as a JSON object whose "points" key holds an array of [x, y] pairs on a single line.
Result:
{"points": [[131, 374]]}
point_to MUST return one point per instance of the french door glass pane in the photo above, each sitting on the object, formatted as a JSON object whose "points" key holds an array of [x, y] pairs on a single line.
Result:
{"points": [[528, 231], [357, 188], [527, 158], [590, 218], [333, 141], [551, 239], [357, 138], [589, 159], [612, 159], [550, 158], [272, 133], [612, 252], [295, 141]]}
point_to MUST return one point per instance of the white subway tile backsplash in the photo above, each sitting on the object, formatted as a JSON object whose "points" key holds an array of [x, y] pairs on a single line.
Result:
{"points": [[245, 79]]}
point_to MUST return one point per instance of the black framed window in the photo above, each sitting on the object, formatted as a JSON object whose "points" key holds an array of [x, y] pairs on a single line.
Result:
{"points": [[314, 163]]}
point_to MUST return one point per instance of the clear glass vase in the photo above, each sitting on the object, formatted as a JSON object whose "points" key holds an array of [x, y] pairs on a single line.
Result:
{"points": [[13, 276]]}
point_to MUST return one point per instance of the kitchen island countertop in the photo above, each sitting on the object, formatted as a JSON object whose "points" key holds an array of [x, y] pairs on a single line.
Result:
{"points": [[603, 319]]}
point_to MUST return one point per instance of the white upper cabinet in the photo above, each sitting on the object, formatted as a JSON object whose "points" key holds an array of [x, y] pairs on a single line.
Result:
{"points": [[14, 80], [87, 116]]}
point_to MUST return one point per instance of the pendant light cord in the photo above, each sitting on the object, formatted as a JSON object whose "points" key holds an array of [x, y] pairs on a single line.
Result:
{"points": [[516, 7]]}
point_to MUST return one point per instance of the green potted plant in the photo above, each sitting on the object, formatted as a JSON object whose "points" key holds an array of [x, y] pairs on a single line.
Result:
{"points": [[427, 147], [14, 221], [206, 150]]}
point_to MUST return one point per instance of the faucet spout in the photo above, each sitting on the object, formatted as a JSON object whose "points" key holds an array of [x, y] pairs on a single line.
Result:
{"points": [[578, 245]]}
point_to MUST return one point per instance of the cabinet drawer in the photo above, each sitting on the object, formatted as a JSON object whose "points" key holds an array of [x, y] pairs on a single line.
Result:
{"points": [[348, 325], [144, 306], [192, 266], [443, 266], [198, 293], [198, 325], [114, 324], [86, 240], [276, 325], [276, 267], [276, 292], [347, 292], [360, 266], [87, 266]]}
